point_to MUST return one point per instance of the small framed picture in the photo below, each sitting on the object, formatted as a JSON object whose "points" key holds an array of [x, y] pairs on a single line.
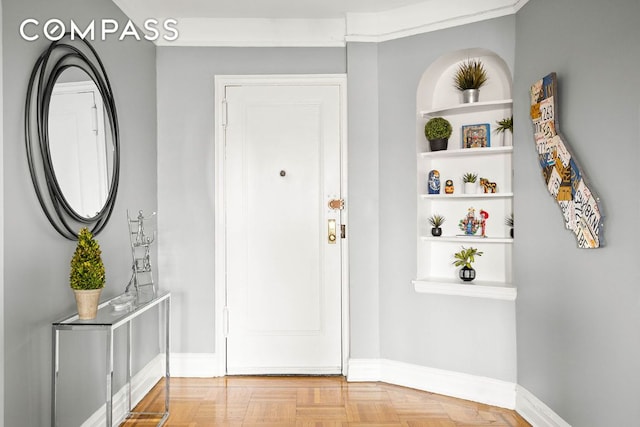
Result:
{"points": [[476, 136]]}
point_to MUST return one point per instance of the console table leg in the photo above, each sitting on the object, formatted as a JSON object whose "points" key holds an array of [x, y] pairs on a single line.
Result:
{"points": [[109, 396], [167, 353], [54, 377], [129, 364]]}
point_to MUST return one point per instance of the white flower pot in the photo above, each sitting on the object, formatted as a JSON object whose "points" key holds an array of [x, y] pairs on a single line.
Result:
{"points": [[470, 188]]}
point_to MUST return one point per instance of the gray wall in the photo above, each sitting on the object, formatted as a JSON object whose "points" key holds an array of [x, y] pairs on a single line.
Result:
{"points": [[578, 311], [186, 169], [363, 227], [36, 258], [429, 330]]}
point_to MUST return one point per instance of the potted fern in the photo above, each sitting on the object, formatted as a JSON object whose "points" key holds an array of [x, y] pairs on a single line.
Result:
{"points": [[469, 78], [87, 275], [469, 179], [438, 130], [505, 128], [465, 258], [436, 222]]}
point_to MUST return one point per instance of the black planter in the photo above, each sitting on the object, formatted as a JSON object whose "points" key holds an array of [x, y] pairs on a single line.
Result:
{"points": [[436, 231], [438, 144], [467, 273]]}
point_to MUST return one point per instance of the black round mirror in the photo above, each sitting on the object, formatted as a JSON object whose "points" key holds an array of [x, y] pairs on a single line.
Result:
{"points": [[71, 135]]}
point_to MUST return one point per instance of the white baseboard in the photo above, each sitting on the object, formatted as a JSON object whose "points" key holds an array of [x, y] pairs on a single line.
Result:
{"points": [[141, 384], [194, 365], [464, 386], [535, 411]]}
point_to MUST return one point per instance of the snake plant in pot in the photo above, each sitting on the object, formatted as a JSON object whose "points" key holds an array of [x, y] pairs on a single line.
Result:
{"points": [[87, 275]]}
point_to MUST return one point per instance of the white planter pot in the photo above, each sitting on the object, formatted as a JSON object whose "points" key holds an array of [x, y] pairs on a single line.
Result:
{"points": [[507, 138], [470, 188]]}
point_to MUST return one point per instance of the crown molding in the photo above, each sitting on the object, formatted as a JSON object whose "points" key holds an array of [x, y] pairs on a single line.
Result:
{"points": [[430, 15], [423, 17]]}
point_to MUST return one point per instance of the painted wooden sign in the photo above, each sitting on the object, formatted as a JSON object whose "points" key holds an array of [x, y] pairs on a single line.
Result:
{"points": [[563, 176]]}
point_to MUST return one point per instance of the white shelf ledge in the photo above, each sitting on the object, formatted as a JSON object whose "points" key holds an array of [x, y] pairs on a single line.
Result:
{"points": [[467, 239], [462, 152], [474, 289], [468, 196], [474, 107]]}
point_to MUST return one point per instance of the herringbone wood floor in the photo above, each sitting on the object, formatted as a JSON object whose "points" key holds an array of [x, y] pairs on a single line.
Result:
{"points": [[314, 401]]}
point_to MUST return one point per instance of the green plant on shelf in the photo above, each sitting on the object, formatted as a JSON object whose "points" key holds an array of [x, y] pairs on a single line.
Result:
{"points": [[504, 125], [470, 177], [470, 75], [466, 257], [436, 220]]}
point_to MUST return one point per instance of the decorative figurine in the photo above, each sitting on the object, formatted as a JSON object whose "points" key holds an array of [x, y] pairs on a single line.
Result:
{"points": [[448, 187], [484, 215], [469, 224], [434, 182], [487, 186]]}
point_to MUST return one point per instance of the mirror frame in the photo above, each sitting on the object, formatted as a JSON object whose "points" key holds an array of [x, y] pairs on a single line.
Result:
{"points": [[59, 56]]}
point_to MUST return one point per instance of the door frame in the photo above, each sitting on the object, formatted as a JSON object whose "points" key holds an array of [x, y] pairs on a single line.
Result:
{"points": [[220, 238]]}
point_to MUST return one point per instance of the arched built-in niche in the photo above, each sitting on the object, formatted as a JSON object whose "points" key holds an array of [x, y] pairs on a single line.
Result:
{"points": [[437, 96]]}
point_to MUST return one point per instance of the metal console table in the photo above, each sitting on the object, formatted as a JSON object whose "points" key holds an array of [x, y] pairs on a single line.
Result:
{"points": [[108, 320]]}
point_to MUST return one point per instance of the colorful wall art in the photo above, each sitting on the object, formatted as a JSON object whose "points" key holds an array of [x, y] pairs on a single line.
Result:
{"points": [[563, 176]]}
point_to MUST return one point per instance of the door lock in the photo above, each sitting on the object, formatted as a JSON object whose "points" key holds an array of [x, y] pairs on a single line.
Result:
{"points": [[332, 231]]}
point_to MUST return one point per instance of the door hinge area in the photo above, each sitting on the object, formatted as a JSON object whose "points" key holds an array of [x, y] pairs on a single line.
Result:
{"points": [[343, 231], [225, 112], [225, 321]]}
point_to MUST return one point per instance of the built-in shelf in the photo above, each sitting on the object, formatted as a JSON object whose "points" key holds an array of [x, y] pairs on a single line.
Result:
{"points": [[467, 152], [467, 239], [468, 196], [475, 107], [475, 289]]}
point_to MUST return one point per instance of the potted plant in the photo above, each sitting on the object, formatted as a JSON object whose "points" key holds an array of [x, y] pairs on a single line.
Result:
{"points": [[469, 78], [87, 275], [469, 179], [464, 259], [436, 221], [509, 223], [438, 130], [505, 127]]}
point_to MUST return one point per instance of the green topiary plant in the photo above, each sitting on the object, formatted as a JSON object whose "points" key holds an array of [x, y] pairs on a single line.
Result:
{"points": [[87, 269], [504, 125], [469, 177], [437, 128], [436, 220], [466, 257], [470, 75]]}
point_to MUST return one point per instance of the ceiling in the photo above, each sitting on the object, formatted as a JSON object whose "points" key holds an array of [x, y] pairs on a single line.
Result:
{"points": [[308, 22]]}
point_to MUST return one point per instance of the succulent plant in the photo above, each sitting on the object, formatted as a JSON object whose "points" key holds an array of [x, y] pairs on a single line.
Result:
{"points": [[470, 75], [437, 128], [508, 221], [469, 177], [436, 220], [466, 257], [505, 124]]}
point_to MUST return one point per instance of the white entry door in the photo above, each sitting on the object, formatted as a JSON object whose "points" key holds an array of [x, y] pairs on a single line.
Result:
{"points": [[283, 245]]}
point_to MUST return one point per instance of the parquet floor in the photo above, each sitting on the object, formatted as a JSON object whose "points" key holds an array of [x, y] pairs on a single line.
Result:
{"points": [[314, 402]]}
